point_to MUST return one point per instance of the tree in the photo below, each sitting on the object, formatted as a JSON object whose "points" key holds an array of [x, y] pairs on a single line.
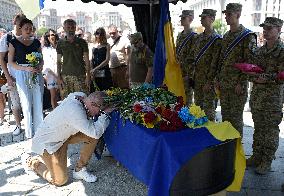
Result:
{"points": [[41, 31], [219, 26]]}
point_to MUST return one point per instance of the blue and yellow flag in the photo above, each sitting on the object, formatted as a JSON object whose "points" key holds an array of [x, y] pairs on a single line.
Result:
{"points": [[166, 69], [31, 8]]}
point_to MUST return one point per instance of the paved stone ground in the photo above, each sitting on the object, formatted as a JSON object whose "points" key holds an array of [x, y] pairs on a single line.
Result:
{"points": [[114, 179]]}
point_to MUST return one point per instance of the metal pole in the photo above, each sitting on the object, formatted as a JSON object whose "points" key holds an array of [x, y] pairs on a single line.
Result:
{"points": [[150, 35]]}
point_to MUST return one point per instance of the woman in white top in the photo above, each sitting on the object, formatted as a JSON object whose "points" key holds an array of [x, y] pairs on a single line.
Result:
{"points": [[50, 67]]}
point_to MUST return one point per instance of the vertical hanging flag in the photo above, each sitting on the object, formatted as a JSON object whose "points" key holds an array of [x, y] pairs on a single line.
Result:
{"points": [[31, 8], [166, 68]]}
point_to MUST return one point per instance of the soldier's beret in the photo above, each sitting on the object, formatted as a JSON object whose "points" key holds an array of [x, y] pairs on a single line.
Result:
{"points": [[233, 7], [272, 21], [187, 13], [135, 37], [208, 12]]}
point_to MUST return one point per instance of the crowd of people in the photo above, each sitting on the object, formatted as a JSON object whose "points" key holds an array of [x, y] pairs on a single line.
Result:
{"points": [[75, 67], [77, 61]]}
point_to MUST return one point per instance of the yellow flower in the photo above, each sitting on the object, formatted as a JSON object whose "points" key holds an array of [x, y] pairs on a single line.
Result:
{"points": [[148, 125], [109, 92], [196, 111], [31, 58]]}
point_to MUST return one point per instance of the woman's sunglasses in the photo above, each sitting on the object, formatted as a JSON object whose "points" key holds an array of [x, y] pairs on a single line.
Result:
{"points": [[51, 35]]}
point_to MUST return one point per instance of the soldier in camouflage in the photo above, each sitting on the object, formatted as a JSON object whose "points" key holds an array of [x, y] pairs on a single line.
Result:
{"points": [[238, 45], [205, 59], [184, 46], [266, 97], [140, 67]]}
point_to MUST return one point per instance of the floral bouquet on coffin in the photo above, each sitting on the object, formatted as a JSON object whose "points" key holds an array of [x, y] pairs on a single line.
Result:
{"points": [[248, 68], [155, 108], [33, 59]]}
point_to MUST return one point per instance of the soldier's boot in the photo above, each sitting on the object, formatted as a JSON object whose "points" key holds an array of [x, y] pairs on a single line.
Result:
{"points": [[263, 168], [253, 161]]}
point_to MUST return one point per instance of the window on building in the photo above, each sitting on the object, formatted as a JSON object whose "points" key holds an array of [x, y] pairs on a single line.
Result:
{"points": [[256, 19], [257, 4], [281, 9]]}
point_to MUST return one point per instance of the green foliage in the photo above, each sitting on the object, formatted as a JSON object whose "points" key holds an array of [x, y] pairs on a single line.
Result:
{"points": [[41, 31], [219, 26]]}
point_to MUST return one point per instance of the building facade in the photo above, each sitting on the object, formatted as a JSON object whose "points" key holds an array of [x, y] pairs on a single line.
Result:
{"points": [[47, 19], [266, 8], [82, 19], [254, 11], [8, 9], [108, 18]]}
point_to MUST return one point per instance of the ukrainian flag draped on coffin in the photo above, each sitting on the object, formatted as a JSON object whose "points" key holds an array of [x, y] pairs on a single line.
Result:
{"points": [[166, 69], [31, 8]]}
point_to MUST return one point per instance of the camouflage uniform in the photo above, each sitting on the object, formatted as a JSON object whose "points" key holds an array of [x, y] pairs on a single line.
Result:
{"points": [[266, 104], [183, 58], [232, 104], [140, 61], [205, 71], [74, 84], [73, 69]]}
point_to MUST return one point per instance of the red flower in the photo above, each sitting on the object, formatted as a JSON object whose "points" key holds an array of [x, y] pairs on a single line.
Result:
{"points": [[159, 110], [166, 114], [178, 107], [180, 100], [137, 108], [149, 117], [178, 123], [167, 126]]}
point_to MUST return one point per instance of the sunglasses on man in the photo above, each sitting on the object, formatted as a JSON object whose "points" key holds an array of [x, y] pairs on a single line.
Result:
{"points": [[112, 33]]}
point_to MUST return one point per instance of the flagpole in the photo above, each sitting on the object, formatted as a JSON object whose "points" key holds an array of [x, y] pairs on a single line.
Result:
{"points": [[151, 23]]}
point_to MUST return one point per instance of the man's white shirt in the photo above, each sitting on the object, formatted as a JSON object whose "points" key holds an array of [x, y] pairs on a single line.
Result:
{"points": [[64, 121]]}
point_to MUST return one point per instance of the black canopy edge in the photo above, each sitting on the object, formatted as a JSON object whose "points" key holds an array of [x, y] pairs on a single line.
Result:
{"points": [[130, 2]]}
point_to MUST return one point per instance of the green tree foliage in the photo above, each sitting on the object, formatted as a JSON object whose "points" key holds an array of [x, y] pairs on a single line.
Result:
{"points": [[219, 26], [41, 31]]}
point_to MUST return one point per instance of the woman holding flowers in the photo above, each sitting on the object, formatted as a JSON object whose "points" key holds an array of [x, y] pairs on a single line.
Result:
{"points": [[25, 56]]}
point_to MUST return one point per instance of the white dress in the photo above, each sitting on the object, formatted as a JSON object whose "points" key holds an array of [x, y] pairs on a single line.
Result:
{"points": [[50, 57]]}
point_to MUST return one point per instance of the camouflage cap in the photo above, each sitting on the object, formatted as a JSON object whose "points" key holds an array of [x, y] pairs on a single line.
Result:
{"points": [[272, 21], [135, 37], [233, 7], [208, 12], [187, 13]]}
